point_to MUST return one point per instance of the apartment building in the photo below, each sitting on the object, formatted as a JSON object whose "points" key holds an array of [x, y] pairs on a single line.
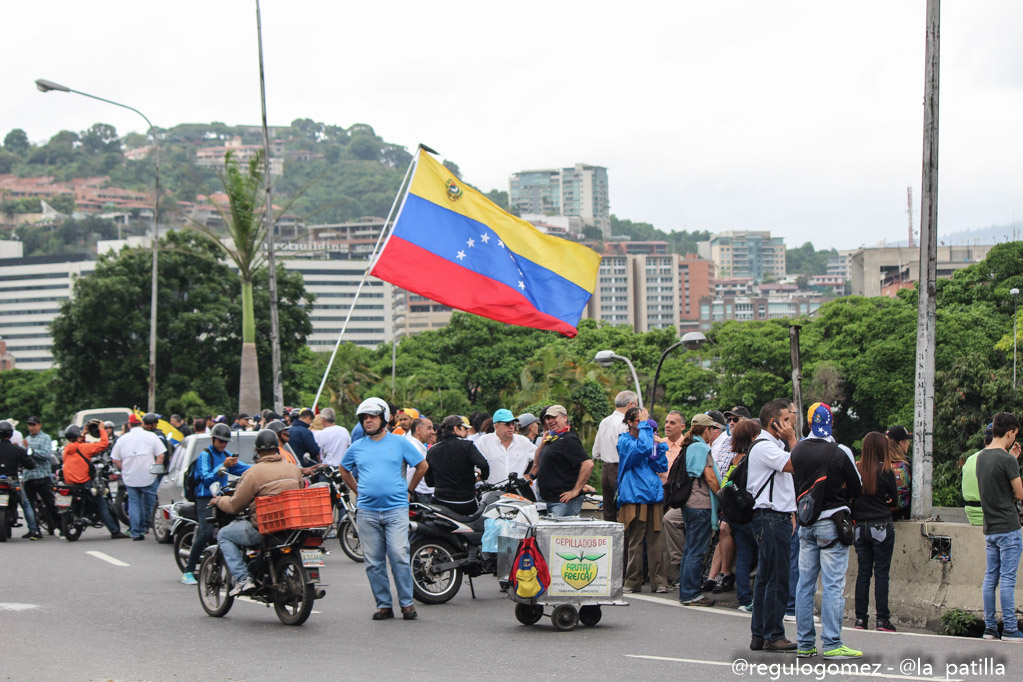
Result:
{"points": [[577, 192]]}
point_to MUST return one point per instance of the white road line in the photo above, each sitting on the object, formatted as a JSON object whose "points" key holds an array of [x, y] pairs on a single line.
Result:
{"points": [[107, 558], [882, 671], [250, 600], [675, 603], [15, 606]]}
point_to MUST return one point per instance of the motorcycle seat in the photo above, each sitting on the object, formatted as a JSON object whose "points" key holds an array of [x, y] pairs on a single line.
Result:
{"points": [[186, 509], [461, 518]]}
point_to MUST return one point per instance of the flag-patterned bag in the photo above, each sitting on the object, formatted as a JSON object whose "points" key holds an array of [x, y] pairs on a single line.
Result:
{"points": [[530, 576]]}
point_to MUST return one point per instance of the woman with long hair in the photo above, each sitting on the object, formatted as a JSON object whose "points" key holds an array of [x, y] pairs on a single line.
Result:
{"points": [[743, 435], [700, 510], [875, 533]]}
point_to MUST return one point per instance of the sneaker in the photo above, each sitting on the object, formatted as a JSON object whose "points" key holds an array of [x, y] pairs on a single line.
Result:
{"points": [[627, 590], [661, 590], [709, 584], [806, 653], [990, 634], [138, 538], [861, 624], [674, 585], [1014, 636], [780, 645], [701, 601], [32, 536], [790, 618], [118, 536], [745, 608], [885, 626], [242, 587], [842, 653], [725, 583], [189, 579]]}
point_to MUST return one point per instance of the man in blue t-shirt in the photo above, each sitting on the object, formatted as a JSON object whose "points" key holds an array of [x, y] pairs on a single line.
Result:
{"points": [[382, 504]]}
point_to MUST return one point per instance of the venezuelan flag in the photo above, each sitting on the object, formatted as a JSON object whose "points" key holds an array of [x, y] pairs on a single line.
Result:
{"points": [[453, 245]]}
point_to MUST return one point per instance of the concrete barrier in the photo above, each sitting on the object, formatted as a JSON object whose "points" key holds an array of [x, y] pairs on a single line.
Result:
{"points": [[923, 588]]}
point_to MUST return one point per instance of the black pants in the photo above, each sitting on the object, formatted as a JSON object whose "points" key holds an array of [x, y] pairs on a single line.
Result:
{"points": [[874, 545], [43, 488], [203, 533], [773, 532]]}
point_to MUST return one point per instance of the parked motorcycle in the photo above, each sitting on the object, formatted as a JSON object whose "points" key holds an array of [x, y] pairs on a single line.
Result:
{"points": [[184, 526], [76, 510], [344, 515], [285, 567], [446, 545], [10, 494]]}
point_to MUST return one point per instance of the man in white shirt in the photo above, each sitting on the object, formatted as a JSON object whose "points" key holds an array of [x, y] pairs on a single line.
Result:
{"points": [[134, 454], [332, 439], [505, 451], [605, 449], [770, 482], [420, 430]]}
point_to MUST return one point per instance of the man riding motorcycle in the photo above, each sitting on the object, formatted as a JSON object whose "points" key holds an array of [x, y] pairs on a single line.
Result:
{"points": [[78, 471], [269, 475], [12, 458]]}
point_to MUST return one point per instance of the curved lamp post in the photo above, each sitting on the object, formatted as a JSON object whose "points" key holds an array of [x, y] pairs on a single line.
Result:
{"points": [[606, 358], [692, 341], [48, 86]]}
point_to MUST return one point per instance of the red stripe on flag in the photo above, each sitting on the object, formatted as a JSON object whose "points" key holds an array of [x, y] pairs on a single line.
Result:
{"points": [[423, 272]]}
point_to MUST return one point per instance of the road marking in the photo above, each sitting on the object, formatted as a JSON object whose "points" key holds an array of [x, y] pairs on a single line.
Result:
{"points": [[14, 606], [250, 600], [107, 558], [792, 664], [675, 603]]}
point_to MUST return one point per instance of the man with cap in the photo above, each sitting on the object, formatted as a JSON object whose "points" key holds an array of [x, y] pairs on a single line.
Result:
{"points": [[404, 418], [303, 442], [38, 481], [506, 451], [241, 423], [134, 454], [561, 466], [720, 577], [529, 427], [900, 439], [605, 450], [820, 551]]}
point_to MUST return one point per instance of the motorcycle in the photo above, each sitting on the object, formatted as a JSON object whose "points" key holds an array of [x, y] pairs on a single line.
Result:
{"points": [[284, 566], [76, 510], [10, 493], [446, 545], [184, 526], [344, 515]]}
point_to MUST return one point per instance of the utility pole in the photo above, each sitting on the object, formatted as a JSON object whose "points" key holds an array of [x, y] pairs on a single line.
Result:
{"points": [[797, 376], [923, 401]]}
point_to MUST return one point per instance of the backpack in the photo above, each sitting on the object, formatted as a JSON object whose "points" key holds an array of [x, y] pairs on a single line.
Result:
{"points": [[529, 576], [902, 485], [191, 479], [734, 500], [810, 502], [88, 461], [680, 483]]}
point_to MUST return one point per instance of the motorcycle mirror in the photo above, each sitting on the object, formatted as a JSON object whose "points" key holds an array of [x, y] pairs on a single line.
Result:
{"points": [[215, 488], [307, 460]]}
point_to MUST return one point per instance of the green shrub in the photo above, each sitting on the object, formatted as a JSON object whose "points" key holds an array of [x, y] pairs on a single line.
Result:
{"points": [[960, 623]]}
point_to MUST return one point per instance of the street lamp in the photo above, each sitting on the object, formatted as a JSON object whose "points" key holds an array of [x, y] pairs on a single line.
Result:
{"points": [[692, 341], [607, 357], [47, 86], [1014, 292]]}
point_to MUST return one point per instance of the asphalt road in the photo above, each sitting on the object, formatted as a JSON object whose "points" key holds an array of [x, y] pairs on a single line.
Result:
{"points": [[67, 613]]}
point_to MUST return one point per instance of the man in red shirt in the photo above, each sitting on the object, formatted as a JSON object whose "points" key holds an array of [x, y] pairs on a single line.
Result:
{"points": [[77, 459]]}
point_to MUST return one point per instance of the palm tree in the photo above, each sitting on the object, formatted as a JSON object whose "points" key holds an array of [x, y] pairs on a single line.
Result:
{"points": [[243, 217]]}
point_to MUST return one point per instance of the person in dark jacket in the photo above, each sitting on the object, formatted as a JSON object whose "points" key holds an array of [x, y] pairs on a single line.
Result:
{"points": [[875, 534], [302, 440], [12, 458], [453, 463], [820, 551]]}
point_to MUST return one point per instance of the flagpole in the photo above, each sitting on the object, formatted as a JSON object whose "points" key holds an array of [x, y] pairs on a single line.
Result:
{"points": [[402, 190]]}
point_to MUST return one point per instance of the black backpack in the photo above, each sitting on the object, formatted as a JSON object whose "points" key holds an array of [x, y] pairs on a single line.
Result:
{"points": [[734, 501], [680, 483], [191, 480], [810, 503]]}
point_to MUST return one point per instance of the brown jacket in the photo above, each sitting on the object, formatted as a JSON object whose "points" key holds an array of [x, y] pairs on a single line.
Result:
{"points": [[269, 476]]}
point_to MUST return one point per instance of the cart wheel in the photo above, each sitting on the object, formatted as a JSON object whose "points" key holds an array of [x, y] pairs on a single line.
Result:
{"points": [[565, 617], [589, 615], [528, 614]]}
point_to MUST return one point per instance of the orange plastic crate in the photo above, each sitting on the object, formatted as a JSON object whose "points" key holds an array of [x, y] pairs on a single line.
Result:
{"points": [[305, 508]]}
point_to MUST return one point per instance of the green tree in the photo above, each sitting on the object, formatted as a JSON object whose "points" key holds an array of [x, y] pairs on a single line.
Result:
{"points": [[17, 142], [24, 393], [101, 138]]}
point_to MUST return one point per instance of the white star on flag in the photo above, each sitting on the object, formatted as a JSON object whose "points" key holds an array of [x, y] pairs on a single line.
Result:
{"points": [[484, 237], [461, 255], [500, 243], [471, 242], [522, 284]]}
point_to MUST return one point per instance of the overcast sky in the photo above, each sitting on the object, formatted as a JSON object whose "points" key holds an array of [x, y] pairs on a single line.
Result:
{"points": [[803, 118]]}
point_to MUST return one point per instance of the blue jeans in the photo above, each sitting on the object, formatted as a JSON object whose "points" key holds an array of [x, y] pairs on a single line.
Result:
{"points": [[100, 504], [693, 552], [141, 501], [203, 534], [231, 539], [745, 555], [821, 552], [562, 509], [772, 532], [384, 538], [30, 515], [1003, 553]]}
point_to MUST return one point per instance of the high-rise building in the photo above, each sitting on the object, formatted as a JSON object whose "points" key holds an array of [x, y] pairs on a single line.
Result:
{"points": [[640, 290], [695, 277], [579, 192], [753, 254]]}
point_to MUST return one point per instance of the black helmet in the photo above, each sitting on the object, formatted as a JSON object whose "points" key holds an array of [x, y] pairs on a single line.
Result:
{"points": [[277, 426], [221, 432], [150, 418], [266, 440], [73, 433], [6, 429]]}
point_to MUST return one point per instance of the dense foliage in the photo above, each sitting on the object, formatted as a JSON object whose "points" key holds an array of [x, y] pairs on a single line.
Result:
{"points": [[804, 260]]}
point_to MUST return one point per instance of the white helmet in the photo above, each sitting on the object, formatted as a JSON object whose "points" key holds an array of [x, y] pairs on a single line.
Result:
{"points": [[374, 406]]}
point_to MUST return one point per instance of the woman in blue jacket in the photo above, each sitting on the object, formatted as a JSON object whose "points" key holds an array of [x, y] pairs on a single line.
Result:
{"points": [[642, 454]]}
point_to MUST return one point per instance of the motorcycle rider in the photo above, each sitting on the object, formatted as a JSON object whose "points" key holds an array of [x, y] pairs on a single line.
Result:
{"points": [[215, 463], [287, 454], [269, 475], [77, 464], [453, 462], [38, 481], [13, 458]]}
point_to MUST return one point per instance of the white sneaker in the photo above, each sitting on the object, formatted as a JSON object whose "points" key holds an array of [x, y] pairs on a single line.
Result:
{"points": [[790, 618], [745, 609], [243, 587]]}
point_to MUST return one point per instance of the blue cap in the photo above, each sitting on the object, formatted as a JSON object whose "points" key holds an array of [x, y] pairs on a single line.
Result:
{"points": [[820, 420], [503, 415]]}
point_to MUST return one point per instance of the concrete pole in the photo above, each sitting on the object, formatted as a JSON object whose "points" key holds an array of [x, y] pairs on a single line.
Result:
{"points": [[797, 377], [923, 402]]}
